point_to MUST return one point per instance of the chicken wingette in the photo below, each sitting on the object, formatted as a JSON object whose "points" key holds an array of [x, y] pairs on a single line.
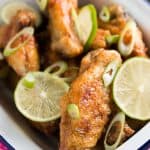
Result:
{"points": [[26, 58], [88, 93], [61, 27]]}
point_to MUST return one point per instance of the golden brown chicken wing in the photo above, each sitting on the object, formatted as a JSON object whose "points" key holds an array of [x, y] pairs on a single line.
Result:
{"points": [[26, 58], [63, 37], [92, 98]]}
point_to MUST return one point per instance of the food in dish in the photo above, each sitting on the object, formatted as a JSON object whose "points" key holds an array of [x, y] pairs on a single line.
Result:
{"points": [[88, 52]]}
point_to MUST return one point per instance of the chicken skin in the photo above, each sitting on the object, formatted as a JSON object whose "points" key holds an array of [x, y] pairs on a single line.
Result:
{"points": [[63, 37], [87, 92], [26, 58]]}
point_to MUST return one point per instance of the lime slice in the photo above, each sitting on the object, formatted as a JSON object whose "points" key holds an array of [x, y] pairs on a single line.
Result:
{"points": [[9, 9], [41, 102], [131, 88], [86, 24]]}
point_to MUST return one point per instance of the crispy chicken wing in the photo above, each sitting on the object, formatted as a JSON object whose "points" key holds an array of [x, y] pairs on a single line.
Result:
{"points": [[63, 37], [26, 58], [92, 99]]}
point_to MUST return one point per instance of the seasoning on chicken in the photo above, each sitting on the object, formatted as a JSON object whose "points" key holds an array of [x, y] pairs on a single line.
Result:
{"points": [[100, 39], [61, 26], [92, 99], [22, 19]]}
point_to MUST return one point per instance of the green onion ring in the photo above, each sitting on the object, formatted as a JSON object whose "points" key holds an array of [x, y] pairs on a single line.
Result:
{"points": [[104, 14], [121, 118], [8, 50]]}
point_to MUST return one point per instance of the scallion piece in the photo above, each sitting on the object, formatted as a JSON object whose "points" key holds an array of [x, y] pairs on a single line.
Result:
{"points": [[57, 68], [73, 111], [127, 39], [119, 118], [9, 50], [104, 14], [110, 72], [112, 39], [29, 80]]}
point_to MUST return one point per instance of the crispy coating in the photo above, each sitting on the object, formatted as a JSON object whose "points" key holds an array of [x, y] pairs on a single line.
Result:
{"points": [[26, 58], [63, 36], [92, 99], [99, 40]]}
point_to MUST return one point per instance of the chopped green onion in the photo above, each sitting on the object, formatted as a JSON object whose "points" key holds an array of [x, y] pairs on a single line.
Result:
{"points": [[9, 50], [73, 111], [119, 118], [126, 47], [42, 4], [110, 72], [104, 14], [29, 80], [59, 66], [112, 39]]}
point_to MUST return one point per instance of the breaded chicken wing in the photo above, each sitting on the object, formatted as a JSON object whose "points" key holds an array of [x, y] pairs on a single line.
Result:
{"points": [[26, 58], [63, 37], [92, 98]]}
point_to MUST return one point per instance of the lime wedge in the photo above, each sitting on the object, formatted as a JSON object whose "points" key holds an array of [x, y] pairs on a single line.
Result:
{"points": [[9, 9], [131, 88], [41, 102], [86, 24]]}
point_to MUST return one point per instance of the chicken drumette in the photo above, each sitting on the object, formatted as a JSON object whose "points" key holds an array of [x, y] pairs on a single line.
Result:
{"points": [[92, 98], [26, 58], [63, 37]]}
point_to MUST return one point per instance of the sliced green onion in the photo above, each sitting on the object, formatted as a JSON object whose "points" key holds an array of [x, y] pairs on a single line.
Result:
{"points": [[73, 111], [104, 14], [59, 66], [112, 39], [42, 4], [9, 50], [126, 48], [120, 117], [29, 80], [110, 72]]}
